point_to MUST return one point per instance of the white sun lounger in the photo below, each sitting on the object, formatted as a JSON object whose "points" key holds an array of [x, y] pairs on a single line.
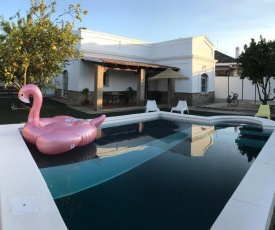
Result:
{"points": [[181, 107], [151, 105]]}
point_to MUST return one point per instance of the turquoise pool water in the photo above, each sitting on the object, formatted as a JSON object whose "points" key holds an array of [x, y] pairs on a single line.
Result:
{"points": [[152, 175]]}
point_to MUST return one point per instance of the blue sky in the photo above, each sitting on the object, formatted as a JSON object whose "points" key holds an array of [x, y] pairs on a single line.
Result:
{"points": [[226, 23]]}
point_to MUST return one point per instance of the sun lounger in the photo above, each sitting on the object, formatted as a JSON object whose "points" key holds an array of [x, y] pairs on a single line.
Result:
{"points": [[151, 105], [181, 107], [264, 111]]}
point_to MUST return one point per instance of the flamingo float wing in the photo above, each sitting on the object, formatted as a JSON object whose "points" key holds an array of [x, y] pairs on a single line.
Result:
{"points": [[55, 142], [97, 121]]}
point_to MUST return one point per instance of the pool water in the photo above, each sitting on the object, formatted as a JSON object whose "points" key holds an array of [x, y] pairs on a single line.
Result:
{"points": [[152, 175]]}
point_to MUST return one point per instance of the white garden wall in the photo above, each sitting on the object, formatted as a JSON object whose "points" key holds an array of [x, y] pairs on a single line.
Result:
{"points": [[244, 88]]}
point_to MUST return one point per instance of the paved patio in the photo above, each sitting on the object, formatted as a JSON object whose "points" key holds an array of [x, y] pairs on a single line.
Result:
{"points": [[245, 107]]}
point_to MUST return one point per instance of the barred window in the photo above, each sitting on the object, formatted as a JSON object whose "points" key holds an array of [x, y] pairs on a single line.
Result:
{"points": [[204, 83], [106, 79], [65, 83]]}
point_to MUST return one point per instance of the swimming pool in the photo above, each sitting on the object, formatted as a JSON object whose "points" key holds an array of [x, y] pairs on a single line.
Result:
{"points": [[158, 174]]}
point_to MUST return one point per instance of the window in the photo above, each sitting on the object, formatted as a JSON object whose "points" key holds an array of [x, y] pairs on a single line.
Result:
{"points": [[106, 79], [65, 83], [204, 83]]}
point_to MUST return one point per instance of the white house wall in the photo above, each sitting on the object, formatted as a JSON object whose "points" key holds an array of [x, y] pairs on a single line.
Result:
{"points": [[74, 75], [174, 49], [182, 62], [185, 66], [202, 47], [202, 62], [88, 73], [202, 67], [110, 46], [121, 80], [176, 53], [194, 56], [185, 86]]}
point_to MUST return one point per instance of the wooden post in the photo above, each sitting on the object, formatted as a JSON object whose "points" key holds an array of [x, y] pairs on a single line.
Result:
{"points": [[141, 87], [169, 92], [98, 87]]}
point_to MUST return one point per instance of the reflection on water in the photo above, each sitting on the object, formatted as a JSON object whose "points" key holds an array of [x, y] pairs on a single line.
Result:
{"points": [[199, 141], [250, 140], [78, 154], [113, 141]]}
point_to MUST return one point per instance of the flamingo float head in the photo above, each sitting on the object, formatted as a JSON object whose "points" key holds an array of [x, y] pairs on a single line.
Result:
{"points": [[24, 94], [26, 90]]}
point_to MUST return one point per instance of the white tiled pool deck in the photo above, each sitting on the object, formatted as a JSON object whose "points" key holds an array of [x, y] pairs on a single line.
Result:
{"points": [[26, 203]]}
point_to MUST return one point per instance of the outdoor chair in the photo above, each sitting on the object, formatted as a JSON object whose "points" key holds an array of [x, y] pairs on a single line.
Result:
{"points": [[264, 111], [151, 105], [181, 107]]}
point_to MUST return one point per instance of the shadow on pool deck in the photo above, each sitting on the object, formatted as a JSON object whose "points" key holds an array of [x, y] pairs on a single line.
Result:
{"points": [[244, 107]]}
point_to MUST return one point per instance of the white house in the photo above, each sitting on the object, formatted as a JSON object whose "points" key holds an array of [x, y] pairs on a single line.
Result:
{"points": [[113, 64]]}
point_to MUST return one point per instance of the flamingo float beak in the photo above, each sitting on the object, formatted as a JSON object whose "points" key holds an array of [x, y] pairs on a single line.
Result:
{"points": [[23, 98]]}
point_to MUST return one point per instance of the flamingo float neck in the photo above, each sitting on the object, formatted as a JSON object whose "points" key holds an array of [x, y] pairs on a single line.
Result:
{"points": [[24, 93]]}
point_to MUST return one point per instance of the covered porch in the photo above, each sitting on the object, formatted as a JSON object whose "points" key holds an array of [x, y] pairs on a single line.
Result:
{"points": [[137, 92]]}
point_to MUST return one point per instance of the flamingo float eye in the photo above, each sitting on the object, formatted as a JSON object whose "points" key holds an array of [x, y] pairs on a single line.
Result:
{"points": [[22, 94]]}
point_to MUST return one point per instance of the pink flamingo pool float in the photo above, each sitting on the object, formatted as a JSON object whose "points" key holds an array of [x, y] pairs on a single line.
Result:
{"points": [[57, 134]]}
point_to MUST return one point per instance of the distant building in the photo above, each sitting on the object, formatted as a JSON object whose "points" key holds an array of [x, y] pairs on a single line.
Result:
{"points": [[226, 65]]}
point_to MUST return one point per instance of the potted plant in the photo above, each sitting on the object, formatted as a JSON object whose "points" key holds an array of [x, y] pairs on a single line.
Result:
{"points": [[85, 91], [129, 94]]}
